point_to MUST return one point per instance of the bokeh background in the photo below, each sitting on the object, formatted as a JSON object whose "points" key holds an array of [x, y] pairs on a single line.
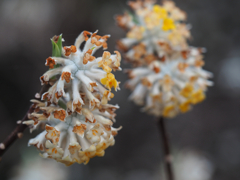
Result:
{"points": [[205, 141]]}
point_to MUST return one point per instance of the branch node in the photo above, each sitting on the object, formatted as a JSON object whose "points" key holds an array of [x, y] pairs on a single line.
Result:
{"points": [[2, 146], [168, 158], [18, 131], [37, 96], [19, 122], [29, 116], [166, 148], [20, 135]]}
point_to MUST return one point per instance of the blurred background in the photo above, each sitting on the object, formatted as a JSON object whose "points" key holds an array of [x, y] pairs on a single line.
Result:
{"points": [[205, 141]]}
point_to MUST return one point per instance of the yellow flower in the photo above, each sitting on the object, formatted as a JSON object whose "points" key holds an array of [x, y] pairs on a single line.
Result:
{"points": [[184, 107], [169, 111], [105, 62], [197, 97], [106, 97], [136, 32], [153, 18], [109, 81], [187, 91], [176, 38], [161, 12], [168, 24]]}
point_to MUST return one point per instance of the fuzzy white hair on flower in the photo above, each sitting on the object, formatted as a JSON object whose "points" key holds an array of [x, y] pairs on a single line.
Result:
{"points": [[168, 76]]}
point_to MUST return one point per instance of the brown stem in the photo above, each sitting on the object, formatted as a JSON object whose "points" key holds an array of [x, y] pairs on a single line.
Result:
{"points": [[18, 131], [167, 156]]}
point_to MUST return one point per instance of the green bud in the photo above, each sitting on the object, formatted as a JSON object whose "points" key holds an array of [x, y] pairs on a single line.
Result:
{"points": [[134, 17], [57, 46]]}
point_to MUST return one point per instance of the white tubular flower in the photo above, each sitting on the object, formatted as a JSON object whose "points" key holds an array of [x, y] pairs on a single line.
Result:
{"points": [[79, 71], [168, 76], [70, 138], [74, 112]]}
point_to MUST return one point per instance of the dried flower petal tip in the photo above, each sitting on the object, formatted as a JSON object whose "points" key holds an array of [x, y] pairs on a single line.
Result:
{"points": [[70, 138], [69, 50], [168, 77], [110, 62], [80, 71]]}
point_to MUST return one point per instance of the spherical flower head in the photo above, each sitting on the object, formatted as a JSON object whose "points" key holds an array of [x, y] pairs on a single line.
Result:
{"points": [[168, 77], [74, 112]]}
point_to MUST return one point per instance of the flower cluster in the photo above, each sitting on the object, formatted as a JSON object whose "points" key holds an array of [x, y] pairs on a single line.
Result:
{"points": [[74, 112], [168, 76]]}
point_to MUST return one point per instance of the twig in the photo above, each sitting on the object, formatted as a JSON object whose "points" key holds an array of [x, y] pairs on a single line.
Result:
{"points": [[167, 156], [18, 131]]}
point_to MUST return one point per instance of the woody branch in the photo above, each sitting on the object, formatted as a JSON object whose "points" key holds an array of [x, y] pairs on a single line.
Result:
{"points": [[18, 131]]}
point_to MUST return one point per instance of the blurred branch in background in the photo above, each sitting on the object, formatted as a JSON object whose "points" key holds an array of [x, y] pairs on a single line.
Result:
{"points": [[166, 147]]}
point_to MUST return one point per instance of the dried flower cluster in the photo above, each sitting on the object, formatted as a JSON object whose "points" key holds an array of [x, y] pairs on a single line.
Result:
{"points": [[74, 111], [168, 76]]}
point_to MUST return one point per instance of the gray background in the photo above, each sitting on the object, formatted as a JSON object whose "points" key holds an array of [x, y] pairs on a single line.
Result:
{"points": [[212, 128]]}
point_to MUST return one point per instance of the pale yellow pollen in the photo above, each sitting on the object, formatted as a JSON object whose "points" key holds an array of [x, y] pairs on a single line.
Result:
{"points": [[167, 83], [184, 107], [182, 66], [88, 57], [146, 82], [105, 62], [136, 32], [197, 96], [167, 110], [52, 134], [187, 91], [94, 132], [80, 129], [105, 97], [199, 63]]}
